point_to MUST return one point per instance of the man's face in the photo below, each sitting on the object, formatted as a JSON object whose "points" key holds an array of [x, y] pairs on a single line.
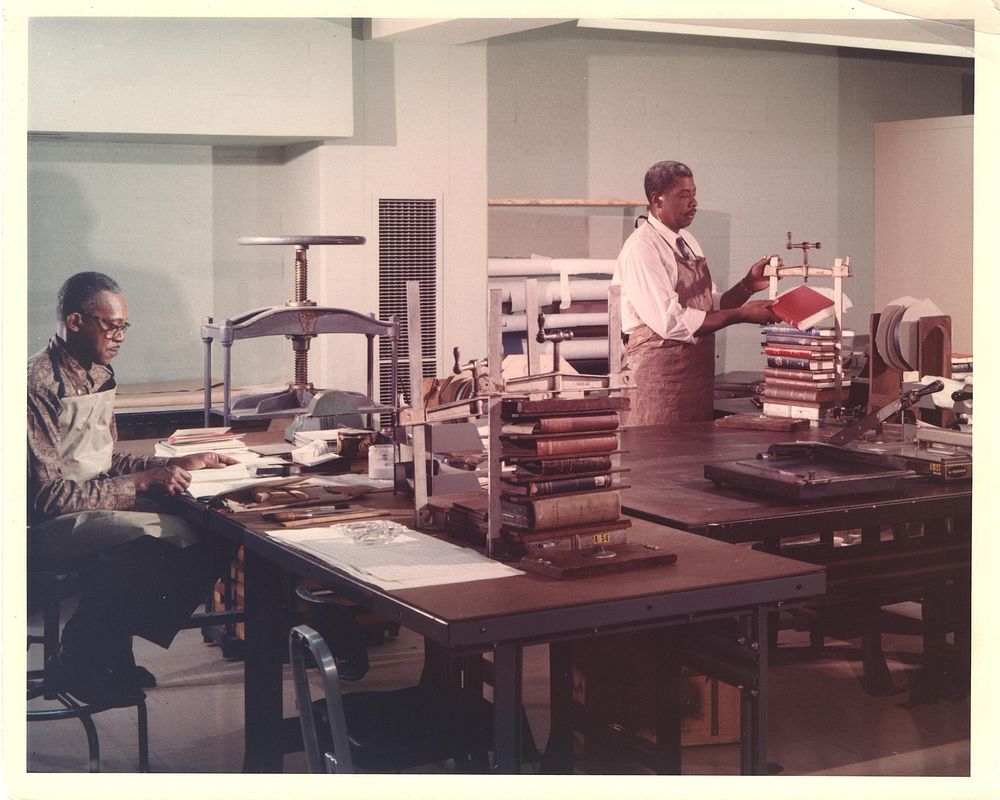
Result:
{"points": [[677, 206], [95, 337]]}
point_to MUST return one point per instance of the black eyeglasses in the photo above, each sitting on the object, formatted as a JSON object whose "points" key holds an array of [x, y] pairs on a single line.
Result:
{"points": [[110, 329]]}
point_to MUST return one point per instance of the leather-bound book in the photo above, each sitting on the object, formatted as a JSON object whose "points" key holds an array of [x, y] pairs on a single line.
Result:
{"points": [[544, 513]]}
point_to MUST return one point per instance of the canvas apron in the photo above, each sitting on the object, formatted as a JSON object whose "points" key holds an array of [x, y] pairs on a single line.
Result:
{"points": [[674, 380], [85, 448]]}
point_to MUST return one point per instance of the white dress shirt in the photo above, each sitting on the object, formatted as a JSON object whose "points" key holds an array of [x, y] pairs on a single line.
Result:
{"points": [[647, 272]]}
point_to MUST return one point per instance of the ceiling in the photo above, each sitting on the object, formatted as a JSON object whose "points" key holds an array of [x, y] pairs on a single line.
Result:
{"points": [[854, 24]]}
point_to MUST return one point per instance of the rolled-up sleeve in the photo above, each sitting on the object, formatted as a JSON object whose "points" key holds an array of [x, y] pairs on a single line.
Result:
{"points": [[648, 276]]}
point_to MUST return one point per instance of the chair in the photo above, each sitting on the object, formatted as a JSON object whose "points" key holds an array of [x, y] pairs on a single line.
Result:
{"points": [[48, 588], [378, 731]]}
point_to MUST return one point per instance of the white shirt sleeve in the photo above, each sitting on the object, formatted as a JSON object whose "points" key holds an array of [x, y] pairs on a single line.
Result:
{"points": [[647, 273]]}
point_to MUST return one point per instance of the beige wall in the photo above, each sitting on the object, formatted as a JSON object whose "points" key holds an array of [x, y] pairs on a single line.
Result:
{"points": [[923, 217], [779, 137], [139, 212], [212, 77], [164, 218], [421, 133]]}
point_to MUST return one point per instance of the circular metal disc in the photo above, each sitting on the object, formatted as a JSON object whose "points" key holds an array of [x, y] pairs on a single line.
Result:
{"points": [[301, 240], [888, 336]]}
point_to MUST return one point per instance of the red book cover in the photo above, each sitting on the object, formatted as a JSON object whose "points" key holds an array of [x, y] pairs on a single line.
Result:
{"points": [[802, 306], [798, 352]]}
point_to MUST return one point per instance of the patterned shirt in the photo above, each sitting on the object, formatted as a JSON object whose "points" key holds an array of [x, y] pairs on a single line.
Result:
{"points": [[49, 494]]}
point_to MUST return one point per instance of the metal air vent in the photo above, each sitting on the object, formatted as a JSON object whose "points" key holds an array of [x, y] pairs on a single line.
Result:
{"points": [[407, 251]]}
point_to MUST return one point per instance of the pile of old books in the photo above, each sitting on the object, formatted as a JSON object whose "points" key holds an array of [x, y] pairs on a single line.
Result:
{"points": [[801, 369], [961, 365], [560, 488]]}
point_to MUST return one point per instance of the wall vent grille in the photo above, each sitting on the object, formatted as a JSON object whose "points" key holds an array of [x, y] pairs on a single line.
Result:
{"points": [[407, 250]]}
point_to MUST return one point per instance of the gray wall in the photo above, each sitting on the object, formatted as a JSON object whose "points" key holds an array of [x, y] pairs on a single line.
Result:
{"points": [[779, 137], [163, 218], [139, 212]]}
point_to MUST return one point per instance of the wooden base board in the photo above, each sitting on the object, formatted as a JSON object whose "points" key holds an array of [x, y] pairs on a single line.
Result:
{"points": [[761, 423], [578, 564]]}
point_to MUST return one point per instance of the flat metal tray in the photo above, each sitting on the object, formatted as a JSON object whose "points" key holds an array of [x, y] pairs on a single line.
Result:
{"points": [[805, 472]]}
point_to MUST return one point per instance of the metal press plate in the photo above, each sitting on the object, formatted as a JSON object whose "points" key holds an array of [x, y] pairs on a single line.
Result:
{"points": [[813, 472], [301, 240]]}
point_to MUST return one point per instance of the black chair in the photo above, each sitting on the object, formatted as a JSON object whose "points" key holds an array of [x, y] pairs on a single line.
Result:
{"points": [[47, 589], [378, 731]]}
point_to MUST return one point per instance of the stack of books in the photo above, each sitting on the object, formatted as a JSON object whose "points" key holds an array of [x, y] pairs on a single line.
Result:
{"points": [[800, 372], [563, 491], [187, 441], [961, 366]]}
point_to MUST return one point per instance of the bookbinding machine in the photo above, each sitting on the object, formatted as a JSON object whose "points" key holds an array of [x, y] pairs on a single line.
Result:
{"points": [[910, 339]]}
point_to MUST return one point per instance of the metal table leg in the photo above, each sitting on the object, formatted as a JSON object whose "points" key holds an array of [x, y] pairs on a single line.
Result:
{"points": [[265, 647], [753, 702], [558, 758], [507, 708]]}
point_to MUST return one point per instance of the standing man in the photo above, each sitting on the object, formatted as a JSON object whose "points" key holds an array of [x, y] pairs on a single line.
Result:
{"points": [[671, 307], [94, 511]]}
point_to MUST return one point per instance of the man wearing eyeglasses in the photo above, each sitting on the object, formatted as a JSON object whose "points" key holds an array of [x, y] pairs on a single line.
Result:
{"points": [[94, 510]]}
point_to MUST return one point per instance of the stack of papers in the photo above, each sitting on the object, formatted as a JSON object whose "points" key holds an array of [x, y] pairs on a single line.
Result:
{"points": [[210, 482], [410, 560], [188, 441]]}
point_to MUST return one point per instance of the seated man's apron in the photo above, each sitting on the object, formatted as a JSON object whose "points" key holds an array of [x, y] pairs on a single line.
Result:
{"points": [[86, 447], [674, 380]]}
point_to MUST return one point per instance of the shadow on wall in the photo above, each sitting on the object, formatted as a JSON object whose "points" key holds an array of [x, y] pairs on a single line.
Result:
{"points": [[374, 68], [62, 228], [739, 344]]}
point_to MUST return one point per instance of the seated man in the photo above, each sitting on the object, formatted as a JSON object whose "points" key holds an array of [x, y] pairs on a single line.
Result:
{"points": [[93, 510]]}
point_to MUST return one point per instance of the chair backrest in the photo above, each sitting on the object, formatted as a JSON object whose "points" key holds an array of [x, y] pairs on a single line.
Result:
{"points": [[302, 640], [341, 630]]}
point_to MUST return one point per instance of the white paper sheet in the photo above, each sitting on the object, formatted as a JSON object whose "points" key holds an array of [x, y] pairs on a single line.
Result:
{"points": [[412, 559]]}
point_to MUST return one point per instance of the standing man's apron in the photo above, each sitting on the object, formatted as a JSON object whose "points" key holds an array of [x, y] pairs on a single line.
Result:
{"points": [[674, 380], [86, 446]]}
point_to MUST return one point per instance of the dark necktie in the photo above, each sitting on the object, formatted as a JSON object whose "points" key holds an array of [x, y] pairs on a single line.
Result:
{"points": [[684, 250]]}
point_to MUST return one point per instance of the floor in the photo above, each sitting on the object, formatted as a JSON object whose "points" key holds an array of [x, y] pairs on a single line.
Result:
{"points": [[821, 722]]}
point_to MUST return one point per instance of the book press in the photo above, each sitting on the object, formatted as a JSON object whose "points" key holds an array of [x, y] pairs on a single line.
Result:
{"points": [[555, 470], [300, 320], [917, 421]]}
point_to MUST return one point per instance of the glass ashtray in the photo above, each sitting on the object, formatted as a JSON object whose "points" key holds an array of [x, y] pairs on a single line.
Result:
{"points": [[379, 531]]}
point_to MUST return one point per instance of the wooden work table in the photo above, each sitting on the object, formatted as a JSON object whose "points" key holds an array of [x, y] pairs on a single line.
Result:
{"points": [[914, 543], [710, 581], [503, 615]]}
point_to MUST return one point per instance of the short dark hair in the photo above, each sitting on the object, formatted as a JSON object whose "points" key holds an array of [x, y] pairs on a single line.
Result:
{"points": [[662, 175], [80, 293]]}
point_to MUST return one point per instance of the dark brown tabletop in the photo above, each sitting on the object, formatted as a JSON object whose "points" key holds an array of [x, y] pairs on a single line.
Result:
{"points": [[668, 485], [707, 575]]}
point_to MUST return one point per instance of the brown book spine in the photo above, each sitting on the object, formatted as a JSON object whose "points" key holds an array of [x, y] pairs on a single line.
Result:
{"points": [[538, 544], [556, 406], [798, 374], [810, 395], [582, 444], [560, 486], [798, 352], [795, 383], [595, 422], [561, 512], [566, 466]]}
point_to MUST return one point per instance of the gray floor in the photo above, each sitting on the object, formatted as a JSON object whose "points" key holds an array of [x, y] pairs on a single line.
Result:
{"points": [[821, 721]]}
